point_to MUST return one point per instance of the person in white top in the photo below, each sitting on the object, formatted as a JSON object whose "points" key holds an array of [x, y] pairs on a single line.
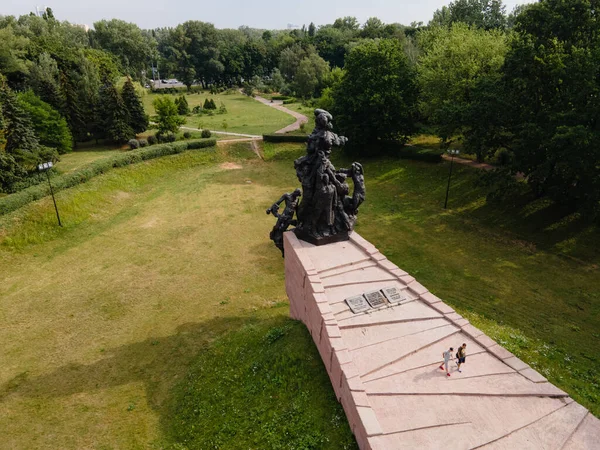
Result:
{"points": [[447, 355]]}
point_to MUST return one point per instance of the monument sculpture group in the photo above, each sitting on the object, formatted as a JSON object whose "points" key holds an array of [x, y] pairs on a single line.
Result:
{"points": [[326, 211]]}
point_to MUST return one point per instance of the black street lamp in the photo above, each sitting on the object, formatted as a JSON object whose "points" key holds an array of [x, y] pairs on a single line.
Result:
{"points": [[452, 153], [45, 167]]}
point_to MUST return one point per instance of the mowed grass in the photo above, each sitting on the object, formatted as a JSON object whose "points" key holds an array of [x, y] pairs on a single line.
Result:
{"points": [[85, 154], [244, 114], [104, 317], [117, 324]]}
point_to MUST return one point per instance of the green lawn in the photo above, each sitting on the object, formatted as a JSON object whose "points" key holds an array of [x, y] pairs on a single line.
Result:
{"points": [[85, 154], [244, 114], [116, 325]]}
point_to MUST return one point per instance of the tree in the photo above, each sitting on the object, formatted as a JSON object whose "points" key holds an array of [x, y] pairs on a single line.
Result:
{"points": [[20, 139], [376, 100], [138, 120], [311, 72], [454, 63], [51, 129], [312, 29], [72, 107], [44, 78], [13, 51], [277, 80], [347, 23], [168, 118], [113, 115], [183, 108], [373, 28], [133, 48], [552, 84], [487, 14]]}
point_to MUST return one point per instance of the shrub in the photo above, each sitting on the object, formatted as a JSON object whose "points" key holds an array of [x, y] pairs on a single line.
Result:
{"points": [[209, 104], [280, 97], [503, 157], [284, 138], [206, 133], [152, 140], [197, 109], [289, 101], [143, 142], [187, 135], [201, 143], [182, 105], [169, 137], [133, 144]]}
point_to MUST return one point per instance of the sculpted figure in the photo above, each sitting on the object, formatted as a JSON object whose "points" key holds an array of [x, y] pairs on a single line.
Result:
{"points": [[286, 218], [326, 212]]}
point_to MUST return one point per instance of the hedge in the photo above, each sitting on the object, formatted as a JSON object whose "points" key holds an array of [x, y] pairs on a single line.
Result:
{"points": [[15, 201], [285, 138], [418, 154], [280, 97]]}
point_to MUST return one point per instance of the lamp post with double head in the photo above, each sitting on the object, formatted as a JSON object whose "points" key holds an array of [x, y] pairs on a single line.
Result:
{"points": [[45, 167], [452, 154]]}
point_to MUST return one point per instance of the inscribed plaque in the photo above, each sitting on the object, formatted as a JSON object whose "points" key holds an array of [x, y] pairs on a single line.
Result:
{"points": [[357, 304], [375, 299], [393, 294]]}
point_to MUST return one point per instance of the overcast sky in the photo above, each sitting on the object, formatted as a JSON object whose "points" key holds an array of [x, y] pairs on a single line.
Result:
{"points": [[271, 14]]}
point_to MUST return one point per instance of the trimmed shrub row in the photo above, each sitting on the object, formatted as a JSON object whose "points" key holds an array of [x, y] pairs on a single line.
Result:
{"points": [[15, 201], [280, 97], [285, 138]]}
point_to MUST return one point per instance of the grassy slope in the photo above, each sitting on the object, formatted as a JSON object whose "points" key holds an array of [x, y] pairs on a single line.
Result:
{"points": [[103, 318], [244, 114]]}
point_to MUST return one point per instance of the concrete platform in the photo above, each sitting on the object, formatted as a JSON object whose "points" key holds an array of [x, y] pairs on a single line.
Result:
{"points": [[384, 363]]}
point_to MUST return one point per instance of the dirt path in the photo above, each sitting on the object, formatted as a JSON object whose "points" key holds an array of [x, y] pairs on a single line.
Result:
{"points": [[468, 162], [278, 104]]}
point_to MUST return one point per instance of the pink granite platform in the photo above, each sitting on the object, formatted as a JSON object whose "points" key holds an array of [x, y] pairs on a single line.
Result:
{"points": [[384, 363]]}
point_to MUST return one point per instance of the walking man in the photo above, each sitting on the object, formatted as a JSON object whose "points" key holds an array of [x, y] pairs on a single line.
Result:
{"points": [[461, 355], [447, 357]]}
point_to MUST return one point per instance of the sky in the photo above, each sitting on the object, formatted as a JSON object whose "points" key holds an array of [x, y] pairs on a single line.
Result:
{"points": [[269, 14]]}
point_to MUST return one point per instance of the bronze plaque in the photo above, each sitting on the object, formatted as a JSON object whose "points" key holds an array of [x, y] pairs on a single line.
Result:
{"points": [[357, 304], [394, 295], [375, 299]]}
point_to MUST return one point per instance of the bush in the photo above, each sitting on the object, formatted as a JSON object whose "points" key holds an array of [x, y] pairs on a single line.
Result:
{"points": [[166, 138], [206, 133], [284, 138], [187, 135], [290, 101], [133, 144], [209, 104], [197, 109], [152, 140], [503, 157], [143, 142], [280, 97], [15, 201], [201, 143]]}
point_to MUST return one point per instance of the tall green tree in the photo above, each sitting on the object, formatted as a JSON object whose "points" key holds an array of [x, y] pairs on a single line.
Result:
{"points": [[134, 49], [487, 14], [19, 135], [459, 75], [49, 126], [551, 77], [138, 119], [376, 100], [167, 115], [113, 115]]}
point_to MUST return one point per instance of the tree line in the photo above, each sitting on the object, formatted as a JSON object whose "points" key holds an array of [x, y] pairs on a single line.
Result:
{"points": [[518, 87]]}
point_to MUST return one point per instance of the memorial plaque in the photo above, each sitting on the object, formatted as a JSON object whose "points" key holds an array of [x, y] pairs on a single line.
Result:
{"points": [[357, 304], [375, 299], [394, 295]]}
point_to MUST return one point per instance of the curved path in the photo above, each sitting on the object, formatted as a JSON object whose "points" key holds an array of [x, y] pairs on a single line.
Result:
{"points": [[278, 104]]}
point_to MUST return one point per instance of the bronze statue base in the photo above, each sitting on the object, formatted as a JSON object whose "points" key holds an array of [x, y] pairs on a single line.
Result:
{"points": [[321, 240]]}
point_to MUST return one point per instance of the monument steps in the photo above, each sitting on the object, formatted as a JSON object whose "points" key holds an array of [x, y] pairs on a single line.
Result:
{"points": [[384, 363]]}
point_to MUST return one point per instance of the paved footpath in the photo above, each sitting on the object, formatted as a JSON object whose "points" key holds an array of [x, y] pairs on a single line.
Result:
{"points": [[384, 362], [278, 104]]}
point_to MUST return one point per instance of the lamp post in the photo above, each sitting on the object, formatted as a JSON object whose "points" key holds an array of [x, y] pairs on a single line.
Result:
{"points": [[452, 153], [45, 167]]}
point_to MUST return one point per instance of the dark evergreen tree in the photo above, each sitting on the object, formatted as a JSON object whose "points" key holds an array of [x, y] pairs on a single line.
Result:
{"points": [[138, 120], [183, 108], [113, 115], [72, 110], [312, 29]]}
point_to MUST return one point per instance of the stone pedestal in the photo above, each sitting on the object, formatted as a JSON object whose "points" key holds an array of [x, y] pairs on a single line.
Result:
{"points": [[383, 363]]}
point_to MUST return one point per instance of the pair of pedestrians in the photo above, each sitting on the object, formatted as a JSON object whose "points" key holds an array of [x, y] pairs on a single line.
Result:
{"points": [[461, 356]]}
